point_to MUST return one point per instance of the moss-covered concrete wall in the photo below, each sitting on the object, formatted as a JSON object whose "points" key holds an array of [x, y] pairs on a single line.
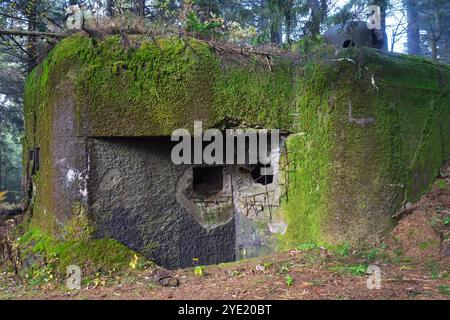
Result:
{"points": [[371, 131], [157, 87]]}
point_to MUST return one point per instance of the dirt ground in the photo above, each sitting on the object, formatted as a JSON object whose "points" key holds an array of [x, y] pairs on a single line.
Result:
{"points": [[414, 261]]}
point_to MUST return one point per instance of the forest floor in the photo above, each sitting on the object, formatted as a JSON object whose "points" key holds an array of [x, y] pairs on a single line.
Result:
{"points": [[288, 275], [414, 260]]}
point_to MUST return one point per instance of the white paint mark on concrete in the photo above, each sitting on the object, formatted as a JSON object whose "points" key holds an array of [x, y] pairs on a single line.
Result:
{"points": [[345, 59], [71, 175], [373, 82], [79, 177], [278, 227]]}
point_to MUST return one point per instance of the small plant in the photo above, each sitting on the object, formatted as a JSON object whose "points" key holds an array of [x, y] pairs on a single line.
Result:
{"points": [[435, 221], [199, 271], [357, 270], [343, 250], [447, 221], [285, 268], [41, 274], [234, 273], [434, 269], [289, 280], [306, 246], [441, 184], [444, 289], [372, 254], [99, 280], [260, 39]]}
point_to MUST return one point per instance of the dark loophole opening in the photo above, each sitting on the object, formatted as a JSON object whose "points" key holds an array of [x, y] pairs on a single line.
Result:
{"points": [[208, 180], [347, 43], [30, 162], [262, 174], [37, 159]]}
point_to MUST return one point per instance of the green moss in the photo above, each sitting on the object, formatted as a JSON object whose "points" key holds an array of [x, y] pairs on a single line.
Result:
{"points": [[79, 227], [308, 45], [151, 90], [444, 290], [90, 255], [40, 96], [348, 178], [442, 184], [44, 219], [155, 87], [310, 152]]}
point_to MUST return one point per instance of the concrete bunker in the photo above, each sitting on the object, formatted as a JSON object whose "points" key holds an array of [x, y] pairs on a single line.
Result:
{"points": [[177, 213], [102, 115]]}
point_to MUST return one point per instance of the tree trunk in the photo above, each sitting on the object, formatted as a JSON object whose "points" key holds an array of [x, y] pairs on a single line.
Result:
{"points": [[413, 27], [276, 16], [318, 10], [141, 8], [1, 178], [31, 16], [289, 17], [110, 8], [276, 33], [434, 49], [141, 11]]}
